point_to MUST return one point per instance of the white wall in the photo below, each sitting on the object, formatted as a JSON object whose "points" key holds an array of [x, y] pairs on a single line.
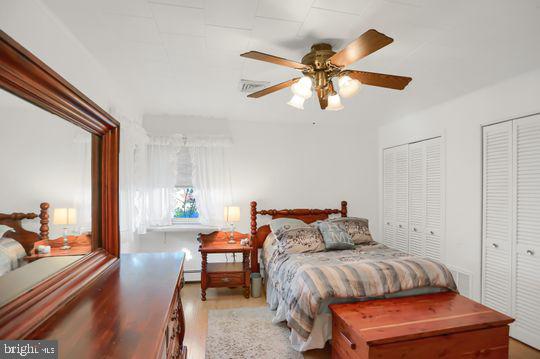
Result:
{"points": [[36, 28], [31, 24], [39, 168], [459, 122], [282, 166]]}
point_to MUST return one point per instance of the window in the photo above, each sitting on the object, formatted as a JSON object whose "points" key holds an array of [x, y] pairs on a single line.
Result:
{"points": [[185, 206]]}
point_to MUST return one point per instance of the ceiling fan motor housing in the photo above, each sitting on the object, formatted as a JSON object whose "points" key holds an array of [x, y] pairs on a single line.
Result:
{"points": [[317, 58]]}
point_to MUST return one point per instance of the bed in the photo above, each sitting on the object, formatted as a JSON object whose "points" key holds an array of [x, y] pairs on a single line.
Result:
{"points": [[17, 242], [300, 286]]}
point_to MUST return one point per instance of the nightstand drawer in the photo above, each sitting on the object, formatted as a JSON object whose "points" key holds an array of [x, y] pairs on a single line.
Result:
{"points": [[225, 279]]}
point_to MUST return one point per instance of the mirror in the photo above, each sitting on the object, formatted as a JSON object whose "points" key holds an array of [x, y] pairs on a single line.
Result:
{"points": [[45, 192]]}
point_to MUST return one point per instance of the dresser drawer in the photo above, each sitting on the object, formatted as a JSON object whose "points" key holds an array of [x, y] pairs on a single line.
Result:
{"points": [[225, 279]]}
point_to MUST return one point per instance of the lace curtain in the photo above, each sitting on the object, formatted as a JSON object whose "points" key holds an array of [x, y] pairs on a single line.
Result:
{"points": [[133, 180], [83, 199], [151, 167], [211, 180]]}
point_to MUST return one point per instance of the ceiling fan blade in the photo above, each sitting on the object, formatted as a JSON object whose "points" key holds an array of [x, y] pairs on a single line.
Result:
{"points": [[381, 80], [323, 99], [256, 55], [274, 88], [366, 44]]}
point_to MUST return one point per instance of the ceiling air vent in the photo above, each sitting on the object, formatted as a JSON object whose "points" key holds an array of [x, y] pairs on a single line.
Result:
{"points": [[251, 86]]}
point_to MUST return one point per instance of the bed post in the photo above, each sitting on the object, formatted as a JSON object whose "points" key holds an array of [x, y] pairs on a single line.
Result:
{"points": [[343, 208], [254, 240], [44, 221]]}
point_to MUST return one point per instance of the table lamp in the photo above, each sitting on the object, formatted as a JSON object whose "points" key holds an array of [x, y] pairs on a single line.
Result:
{"points": [[65, 217], [232, 214]]}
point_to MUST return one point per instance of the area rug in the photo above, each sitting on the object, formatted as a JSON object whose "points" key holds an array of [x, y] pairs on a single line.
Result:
{"points": [[247, 333]]}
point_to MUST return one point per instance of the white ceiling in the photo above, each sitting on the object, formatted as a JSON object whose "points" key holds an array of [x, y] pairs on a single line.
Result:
{"points": [[182, 56]]}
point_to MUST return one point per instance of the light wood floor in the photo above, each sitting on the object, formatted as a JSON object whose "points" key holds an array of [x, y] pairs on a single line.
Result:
{"points": [[196, 313]]}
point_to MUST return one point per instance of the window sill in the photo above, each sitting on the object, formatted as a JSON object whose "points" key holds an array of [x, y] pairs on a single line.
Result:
{"points": [[184, 227]]}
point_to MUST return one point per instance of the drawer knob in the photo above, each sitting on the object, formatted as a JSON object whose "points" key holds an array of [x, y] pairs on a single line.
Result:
{"points": [[431, 232], [351, 344], [495, 245], [226, 280], [530, 252], [415, 229], [400, 226]]}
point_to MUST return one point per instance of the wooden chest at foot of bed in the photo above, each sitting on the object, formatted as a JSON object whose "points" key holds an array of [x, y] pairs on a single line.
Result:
{"points": [[442, 325]]}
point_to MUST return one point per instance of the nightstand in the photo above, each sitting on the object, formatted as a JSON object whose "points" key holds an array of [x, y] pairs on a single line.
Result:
{"points": [[225, 274], [80, 245]]}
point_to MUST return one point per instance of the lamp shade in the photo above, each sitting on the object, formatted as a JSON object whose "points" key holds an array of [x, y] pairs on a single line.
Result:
{"points": [[302, 87], [348, 87], [334, 103], [65, 216], [231, 214], [297, 102]]}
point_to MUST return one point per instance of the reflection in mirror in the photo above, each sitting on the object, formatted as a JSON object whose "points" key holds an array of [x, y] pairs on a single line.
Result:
{"points": [[45, 192]]}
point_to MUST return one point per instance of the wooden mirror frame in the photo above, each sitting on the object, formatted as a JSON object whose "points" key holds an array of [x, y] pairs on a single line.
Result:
{"points": [[24, 75]]}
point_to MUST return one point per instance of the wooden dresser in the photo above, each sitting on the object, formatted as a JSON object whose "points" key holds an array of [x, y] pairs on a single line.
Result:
{"points": [[134, 310], [442, 325]]}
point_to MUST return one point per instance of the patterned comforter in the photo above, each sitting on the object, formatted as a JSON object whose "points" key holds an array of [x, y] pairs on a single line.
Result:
{"points": [[303, 281]]}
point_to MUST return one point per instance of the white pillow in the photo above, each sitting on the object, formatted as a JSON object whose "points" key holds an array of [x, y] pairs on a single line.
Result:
{"points": [[13, 250], [5, 264], [279, 225]]}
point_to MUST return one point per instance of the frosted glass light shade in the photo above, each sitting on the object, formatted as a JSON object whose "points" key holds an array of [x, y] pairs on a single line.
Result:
{"points": [[65, 216], [348, 87], [302, 88], [297, 102], [231, 214], [334, 103]]}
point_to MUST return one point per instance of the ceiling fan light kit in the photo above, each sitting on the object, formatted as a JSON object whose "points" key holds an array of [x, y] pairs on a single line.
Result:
{"points": [[334, 103], [321, 65], [302, 88], [348, 87], [297, 102]]}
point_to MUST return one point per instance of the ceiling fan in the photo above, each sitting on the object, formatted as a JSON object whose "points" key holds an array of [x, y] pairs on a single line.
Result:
{"points": [[321, 65]]}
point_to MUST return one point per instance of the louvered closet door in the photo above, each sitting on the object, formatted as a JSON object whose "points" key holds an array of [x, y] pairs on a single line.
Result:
{"points": [[527, 230], [401, 191], [497, 216], [389, 231], [433, 225], [417, 198]]}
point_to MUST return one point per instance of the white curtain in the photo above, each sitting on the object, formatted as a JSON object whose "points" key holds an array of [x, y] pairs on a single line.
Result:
{"points": [[161, 168], [211, 177], [149, 172], [83, 199], [133, 178]]}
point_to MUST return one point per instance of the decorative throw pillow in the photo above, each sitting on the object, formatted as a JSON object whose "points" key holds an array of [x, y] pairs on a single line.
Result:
{"points": [[284, 224], [334, 236], [300, 240], [357, 228]]}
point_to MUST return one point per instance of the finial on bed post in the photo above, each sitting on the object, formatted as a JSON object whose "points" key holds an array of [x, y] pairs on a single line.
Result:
{"points": [[254, 244], [343, 208], [44, 221]]}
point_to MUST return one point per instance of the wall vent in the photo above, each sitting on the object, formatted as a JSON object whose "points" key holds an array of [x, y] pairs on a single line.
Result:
{"points": [[463, 281], [249, 86]]}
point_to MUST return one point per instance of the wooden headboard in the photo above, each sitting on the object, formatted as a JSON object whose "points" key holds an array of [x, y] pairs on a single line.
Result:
{"points": [[259, 234], [21, 235]]}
